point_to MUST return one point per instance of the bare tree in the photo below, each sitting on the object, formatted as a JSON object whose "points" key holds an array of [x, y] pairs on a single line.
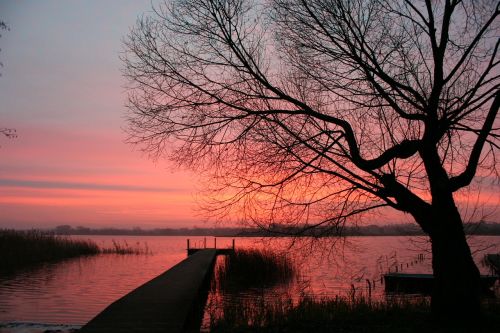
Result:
{"points": [[8, 132], [313, 112], [3, 26]]}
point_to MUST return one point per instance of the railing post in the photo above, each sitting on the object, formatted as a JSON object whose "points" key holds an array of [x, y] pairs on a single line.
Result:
{"points": [[369, 289]]}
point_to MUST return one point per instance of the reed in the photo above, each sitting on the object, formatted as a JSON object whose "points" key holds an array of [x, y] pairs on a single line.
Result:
{"points": [[125, 248], [27, 248], [342, 315], [254, 268]]}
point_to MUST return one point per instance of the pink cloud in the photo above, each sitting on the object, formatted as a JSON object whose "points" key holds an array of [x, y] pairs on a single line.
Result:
{"points": [[54, 172]]}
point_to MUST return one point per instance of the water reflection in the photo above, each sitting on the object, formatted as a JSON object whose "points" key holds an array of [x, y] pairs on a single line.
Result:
{"points": [[343, 268], [74, 291]]}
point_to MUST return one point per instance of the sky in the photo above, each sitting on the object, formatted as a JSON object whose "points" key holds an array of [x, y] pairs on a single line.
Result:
{"points": [[62, 90]]}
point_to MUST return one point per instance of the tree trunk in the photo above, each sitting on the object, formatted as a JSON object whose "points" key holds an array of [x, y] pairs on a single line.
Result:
{"points": [[457, 288]]}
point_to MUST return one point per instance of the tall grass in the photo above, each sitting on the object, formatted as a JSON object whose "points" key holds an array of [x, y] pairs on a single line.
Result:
{"points": [[26, 248], [125, 248], [342, 315], [254, 268]]}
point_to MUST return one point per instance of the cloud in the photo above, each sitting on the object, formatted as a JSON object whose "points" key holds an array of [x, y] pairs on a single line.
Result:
{"points": [[42, 184]]}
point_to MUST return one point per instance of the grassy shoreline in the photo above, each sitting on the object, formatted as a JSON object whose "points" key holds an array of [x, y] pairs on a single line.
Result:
{"points": [[20, 249], [344, 315], [241, 303]]}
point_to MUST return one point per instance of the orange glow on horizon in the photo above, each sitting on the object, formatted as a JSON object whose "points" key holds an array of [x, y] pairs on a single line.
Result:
{"points": [[48, 174], [62, 90]]}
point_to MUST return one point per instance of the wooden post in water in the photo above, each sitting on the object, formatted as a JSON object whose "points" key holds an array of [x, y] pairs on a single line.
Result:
{"points": [[205, 242], [188, 245], [215, 243], [233, 244]]}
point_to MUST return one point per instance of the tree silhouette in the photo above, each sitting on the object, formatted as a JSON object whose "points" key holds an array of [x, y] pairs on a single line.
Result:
{"points": [[3, 26], [8, 132], [313, 112]]}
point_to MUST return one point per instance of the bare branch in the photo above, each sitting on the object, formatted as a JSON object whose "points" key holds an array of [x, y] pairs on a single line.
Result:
{"points": [[468, 174]]}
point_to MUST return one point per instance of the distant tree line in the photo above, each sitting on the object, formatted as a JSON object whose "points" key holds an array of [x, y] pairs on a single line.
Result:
{"points": [[275, 230]]}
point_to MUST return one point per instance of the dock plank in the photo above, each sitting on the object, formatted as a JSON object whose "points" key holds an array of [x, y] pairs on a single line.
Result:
{"points": [[163, 304]]}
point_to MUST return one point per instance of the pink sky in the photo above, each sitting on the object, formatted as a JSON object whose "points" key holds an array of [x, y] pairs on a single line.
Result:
{"points": [[62, 90], [53, 176]]}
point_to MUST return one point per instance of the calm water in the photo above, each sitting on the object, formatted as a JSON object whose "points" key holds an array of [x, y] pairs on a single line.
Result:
{"points": [[74, 291]]}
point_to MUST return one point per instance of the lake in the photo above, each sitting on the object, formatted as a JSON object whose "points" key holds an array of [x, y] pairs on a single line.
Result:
{"points": [[73, 291]]}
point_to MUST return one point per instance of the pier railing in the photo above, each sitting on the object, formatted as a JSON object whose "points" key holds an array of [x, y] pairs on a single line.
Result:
{"points": [[219, 251]]}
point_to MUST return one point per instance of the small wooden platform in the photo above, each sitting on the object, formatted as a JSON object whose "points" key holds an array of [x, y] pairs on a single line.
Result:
{"points": [[217, 251], [170, 302], [221, 251], [423, 283]]}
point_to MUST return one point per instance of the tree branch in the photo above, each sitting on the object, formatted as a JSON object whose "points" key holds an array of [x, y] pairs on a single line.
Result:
{"points": [[468, 174]]}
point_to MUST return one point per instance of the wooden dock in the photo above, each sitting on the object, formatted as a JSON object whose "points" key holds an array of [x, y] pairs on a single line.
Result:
{"points": [[424, 283], [220, 251], [172, 302]]}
